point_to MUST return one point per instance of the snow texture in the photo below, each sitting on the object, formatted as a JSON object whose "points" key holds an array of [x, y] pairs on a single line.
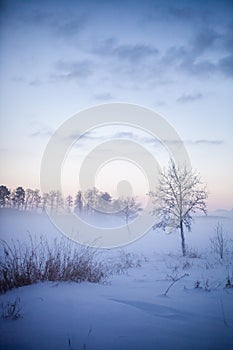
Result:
{"points": [[131, 311]]}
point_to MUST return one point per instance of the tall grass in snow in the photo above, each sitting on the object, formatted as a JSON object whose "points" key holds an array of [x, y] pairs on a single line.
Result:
{"points": [[62, 260]]}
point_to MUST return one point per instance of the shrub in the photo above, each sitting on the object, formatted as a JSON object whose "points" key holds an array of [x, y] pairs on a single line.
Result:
{"points": [[11, 310], [192, 253], [124, 261], [220, 242], [187, 265], [62, 260]]}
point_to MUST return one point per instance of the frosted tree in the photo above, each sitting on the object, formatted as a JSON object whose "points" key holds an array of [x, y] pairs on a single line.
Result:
{"points": [[36, 200], [78, 203], [18, 197], [69, 203], [220, 243], [52, 200], [45, 201], [130, 208], [91, 197], [104, 202], [179, 195], [28, 199], [4, 195], [59, 201]]}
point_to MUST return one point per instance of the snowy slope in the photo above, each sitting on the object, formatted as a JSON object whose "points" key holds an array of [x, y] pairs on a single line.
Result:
{"points": [[130, 311]]}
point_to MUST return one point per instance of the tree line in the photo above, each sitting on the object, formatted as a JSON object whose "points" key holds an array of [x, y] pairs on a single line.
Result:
{"points": [[91, 200], [180, 194]]}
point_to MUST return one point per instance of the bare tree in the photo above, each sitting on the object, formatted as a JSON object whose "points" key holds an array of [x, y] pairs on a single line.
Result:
{"points": [[179, 194], [78, 203], [59, 201], [4, 195], [45, 201], [69, 203], [220, 241], [130, 208], [18, 197], [36, 200], [91, 199], [28, 199]]}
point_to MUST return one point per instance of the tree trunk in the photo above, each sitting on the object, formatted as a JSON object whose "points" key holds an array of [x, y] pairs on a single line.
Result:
{"points": [[182, 238]]}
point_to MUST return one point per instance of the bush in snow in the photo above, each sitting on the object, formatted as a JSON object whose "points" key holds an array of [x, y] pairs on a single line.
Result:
{"points": [[11, 310], [61, 260], [193, 253], [220, 242], [124, 261]]}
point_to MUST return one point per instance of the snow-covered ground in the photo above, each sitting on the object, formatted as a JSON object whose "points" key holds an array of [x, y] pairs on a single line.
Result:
{"points": [[130, 310]]}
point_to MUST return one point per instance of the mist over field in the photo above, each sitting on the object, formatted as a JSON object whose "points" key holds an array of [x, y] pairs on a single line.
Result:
{"points": [[116, 211]]}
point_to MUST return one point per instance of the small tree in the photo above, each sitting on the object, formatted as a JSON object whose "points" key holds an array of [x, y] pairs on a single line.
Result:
{"points": [[69, 203], [79, 202], [220, 241], [18, 197], [28, 199], [91, 199], [36, 199], [4, 195], [45, 201], [130, 208], [104, 202], [178, 196]]}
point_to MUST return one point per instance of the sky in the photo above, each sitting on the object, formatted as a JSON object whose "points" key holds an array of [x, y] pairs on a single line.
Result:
{"points": [[174, 57]]}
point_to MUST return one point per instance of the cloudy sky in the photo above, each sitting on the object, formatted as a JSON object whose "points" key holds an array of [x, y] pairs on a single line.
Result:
{"points": [[174, 57]]}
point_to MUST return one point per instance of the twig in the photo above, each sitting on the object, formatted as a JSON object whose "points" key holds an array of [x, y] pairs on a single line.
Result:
{"points": [[174, 281], [223, 314]]}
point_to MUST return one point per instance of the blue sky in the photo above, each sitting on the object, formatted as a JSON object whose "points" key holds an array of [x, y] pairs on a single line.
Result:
{"points": [[174, 57]]}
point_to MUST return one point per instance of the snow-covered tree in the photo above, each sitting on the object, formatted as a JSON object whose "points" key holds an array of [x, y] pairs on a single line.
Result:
{"points": [[91, 197], [180, 194], [220, 243], [18, 197], [4, 195], [104, 202], [28, 199], [32, 199], [36, 200], [69, 203], [78, 203], [130, 208], [45, 201]]}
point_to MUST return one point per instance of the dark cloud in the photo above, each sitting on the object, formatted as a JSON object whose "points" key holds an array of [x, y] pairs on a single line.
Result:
{"points": [[205, 39], [40, 129], [225, 65], [150, 140], [177, 11], [202, 67], [195, 142], [204, 55], [160, 103], [128, 52], [189, 97], [125, 134], [35, 82], [192, 59], [70, 26], [183, 13], [73, 70], [208, 142], [105, 96], [135, 52], [42, 133], [62, 21]]}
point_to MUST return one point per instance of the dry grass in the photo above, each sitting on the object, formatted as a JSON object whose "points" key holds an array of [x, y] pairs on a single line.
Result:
{"points": [[11, 310], [62, 260]]}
